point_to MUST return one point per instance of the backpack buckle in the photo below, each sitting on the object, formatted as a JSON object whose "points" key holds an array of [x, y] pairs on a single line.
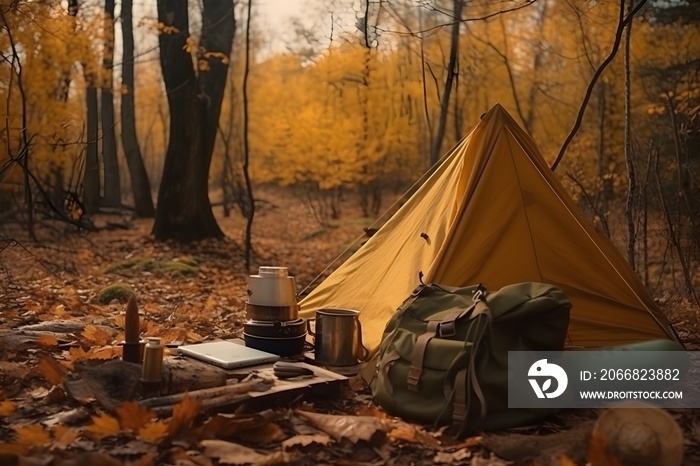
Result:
{"points": [[447, 328], [479, 294]]}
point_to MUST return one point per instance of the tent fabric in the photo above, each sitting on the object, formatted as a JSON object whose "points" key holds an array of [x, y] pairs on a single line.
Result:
{"points": [[494, 213]]}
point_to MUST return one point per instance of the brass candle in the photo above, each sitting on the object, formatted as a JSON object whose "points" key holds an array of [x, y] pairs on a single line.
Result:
{"points": [[131, 349]]}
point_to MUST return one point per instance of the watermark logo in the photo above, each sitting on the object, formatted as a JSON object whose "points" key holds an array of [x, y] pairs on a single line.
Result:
{"points": [[544, 371]]}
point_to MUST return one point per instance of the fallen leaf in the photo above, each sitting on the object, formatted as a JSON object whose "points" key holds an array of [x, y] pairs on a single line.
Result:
{"points": [[33, 434], [153, 432], [95, 335], [149, 459], [76, 354], [183, 415], [102, 426], [13, 369], [13, 449], [565, 461], [59, 311], [194, 337], [132, 416], [268, 432], [51, 370], [132, 448], [353, 428], [233, 453], [39, 393], [104, 352], [7, 408], [47, 340], [226, 425], [151, 307], [306, 440], [91, 459], [63, 437], [453, 457], [194, 458]]}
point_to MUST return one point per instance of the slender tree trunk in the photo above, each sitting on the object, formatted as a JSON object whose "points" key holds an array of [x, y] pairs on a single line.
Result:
{"points": [[428, 123], [622, 23], [140, 185], [246, 155], [91, 179], [606, 183], [631, 175], [184, 211], [445, 101], [112, 194]]}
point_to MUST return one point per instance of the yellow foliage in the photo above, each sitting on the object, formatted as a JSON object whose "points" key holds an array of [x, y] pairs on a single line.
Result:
{"points": [[51, 370], [153, 432], [95, 335], [184, 414], [34, 435], [63, 436], [103, 425], [133, 416], [7, 408]]}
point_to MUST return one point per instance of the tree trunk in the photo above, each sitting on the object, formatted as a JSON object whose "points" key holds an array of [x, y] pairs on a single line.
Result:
{"points": [[140, 185], [445, 101], [218, 28], [631, 175], [184, 211], [91, 180], [112, 194]]}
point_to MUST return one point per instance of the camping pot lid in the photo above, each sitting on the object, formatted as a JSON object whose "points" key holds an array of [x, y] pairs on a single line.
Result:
{"points": [[276, 328], [273, 271]]}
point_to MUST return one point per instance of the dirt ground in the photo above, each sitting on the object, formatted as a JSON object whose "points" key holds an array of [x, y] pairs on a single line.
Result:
{"points": [[196, 292]]}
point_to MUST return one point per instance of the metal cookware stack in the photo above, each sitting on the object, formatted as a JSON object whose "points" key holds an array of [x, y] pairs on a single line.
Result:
{"points": [[273, 323]]}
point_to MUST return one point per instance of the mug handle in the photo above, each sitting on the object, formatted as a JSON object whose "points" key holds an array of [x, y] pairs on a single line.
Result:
{"points": [[365, 351], [308, 326]]}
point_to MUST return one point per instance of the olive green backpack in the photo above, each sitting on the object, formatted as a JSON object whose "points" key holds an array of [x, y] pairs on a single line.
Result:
{"points": [[444, 353]]}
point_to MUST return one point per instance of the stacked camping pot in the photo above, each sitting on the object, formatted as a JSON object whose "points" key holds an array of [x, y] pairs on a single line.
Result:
{"points": [[272, 311]]}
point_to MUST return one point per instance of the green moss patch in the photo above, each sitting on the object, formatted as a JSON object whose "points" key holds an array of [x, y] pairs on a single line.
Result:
{"points": [[116, 291], [177, 267]]}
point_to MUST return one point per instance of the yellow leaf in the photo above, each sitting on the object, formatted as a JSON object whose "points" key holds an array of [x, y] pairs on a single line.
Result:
{"points": [[60, 310], [119, 321], [63, 436], [13, 449], [183, 415], [153, 432], [7, 408], [194, 337], [51, 370], [47, 340], [76, 354], [95, 335], [33, 434], [133, 416], [105, 352], [103, 425]]}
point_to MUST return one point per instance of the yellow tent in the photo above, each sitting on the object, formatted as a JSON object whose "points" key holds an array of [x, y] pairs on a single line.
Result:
{"points": [[494, 213]]}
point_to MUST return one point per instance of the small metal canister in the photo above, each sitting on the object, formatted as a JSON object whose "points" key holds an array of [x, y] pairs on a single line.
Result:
{"points": [[152, 371]]}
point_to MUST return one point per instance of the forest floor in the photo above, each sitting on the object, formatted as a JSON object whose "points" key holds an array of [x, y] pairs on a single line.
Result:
{"points": [[192, 293]]}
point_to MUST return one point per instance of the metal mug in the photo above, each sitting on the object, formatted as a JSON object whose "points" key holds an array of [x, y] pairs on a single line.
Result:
{"points": [[338, 337]]}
